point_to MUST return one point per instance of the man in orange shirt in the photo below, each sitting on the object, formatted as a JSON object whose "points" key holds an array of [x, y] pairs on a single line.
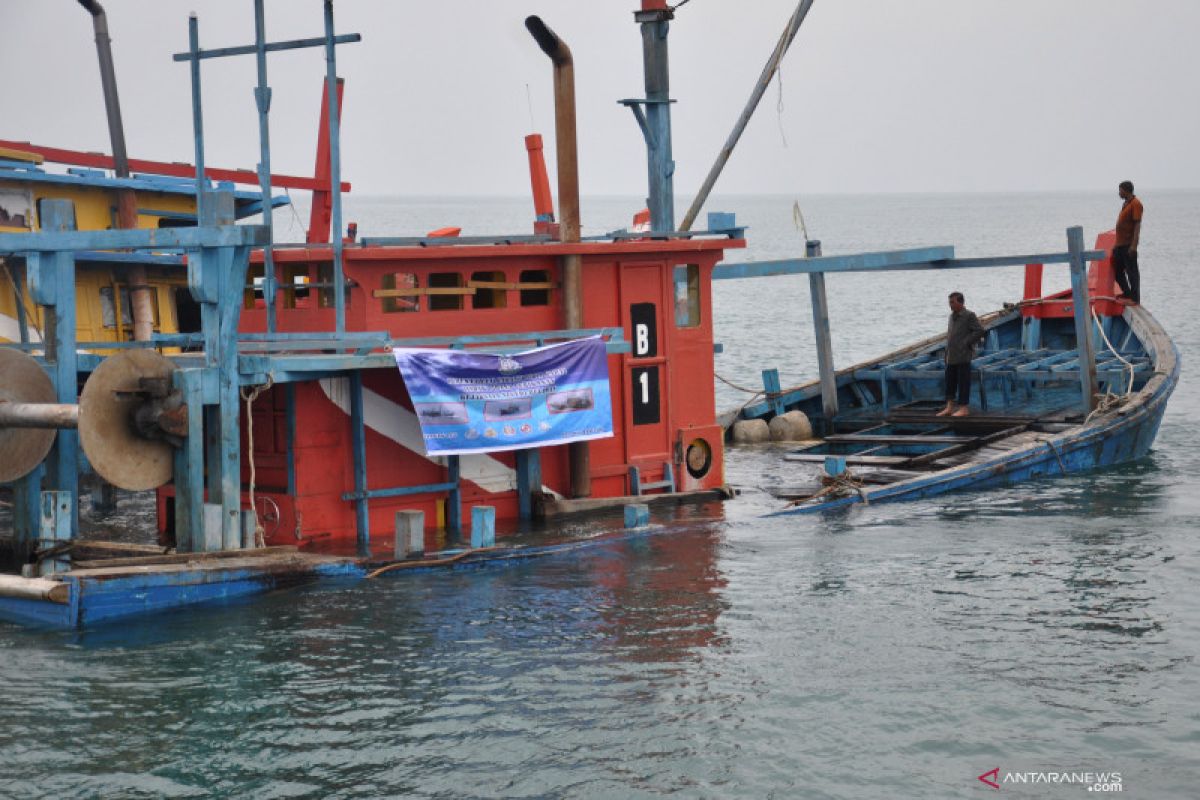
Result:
{"points": [[1124, 254]]}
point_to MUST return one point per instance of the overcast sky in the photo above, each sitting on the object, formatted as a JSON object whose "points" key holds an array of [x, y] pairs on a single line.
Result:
{"points": [[877, 95]]}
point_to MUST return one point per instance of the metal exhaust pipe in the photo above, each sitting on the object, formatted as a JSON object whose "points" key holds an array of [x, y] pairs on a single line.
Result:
{"points": [[567, 155], [139, 290]]}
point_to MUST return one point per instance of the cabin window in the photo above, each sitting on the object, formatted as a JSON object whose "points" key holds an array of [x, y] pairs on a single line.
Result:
{"points": [[109, 313], [252, 295], [326, 285], [187, 311], [399, 292], [536, 295], [121, 318], [446, 291], [491, 291], [687, 296], [295, 286]]}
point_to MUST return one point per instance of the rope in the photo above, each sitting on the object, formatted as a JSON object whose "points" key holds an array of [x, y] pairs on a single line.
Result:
{"points": [[679, 5], [843, 485], [260, 537], [19, 297], [1054, 449], [728, 382], [435, 562], [1113, 350]]}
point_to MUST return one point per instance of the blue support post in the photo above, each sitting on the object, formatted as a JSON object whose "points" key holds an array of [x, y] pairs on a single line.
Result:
{"points": [[835, 465], [197, 113], [483, 527], [27, 493], [58, 509], [1082, 306], [660, 163], [216, 277], [410, 535], [335, 170], [637, 515], [51, 278], [189, 468], [454, 500], [529, 480], [825, 368], [773, 389], [358, 441], [262, 99]]}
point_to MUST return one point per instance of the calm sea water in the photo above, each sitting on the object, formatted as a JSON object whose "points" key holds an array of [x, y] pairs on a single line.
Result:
{"points": [[887, 651]]}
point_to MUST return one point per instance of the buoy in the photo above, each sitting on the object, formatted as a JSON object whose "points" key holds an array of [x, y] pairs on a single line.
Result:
{"points": [[792, 426], [751, 431]]}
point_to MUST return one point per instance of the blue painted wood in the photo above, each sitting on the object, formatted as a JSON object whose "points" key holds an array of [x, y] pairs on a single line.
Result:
{"points": [[835, 465], [335, 169], [1031, 333], [1083, 318], [635, 481], [270, 47], [936, 258], [483, 527], [400, 491], [262, 100], [51, 278], [454, 501], [773, 388], [529, 480], [57, 527], [197, 113], [189, 468], [26, 496], [637, 515], [825, 369], [222, 235]]}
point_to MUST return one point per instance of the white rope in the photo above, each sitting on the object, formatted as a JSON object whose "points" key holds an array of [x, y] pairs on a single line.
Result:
{"points": [[1113, 350], [260, 533]]}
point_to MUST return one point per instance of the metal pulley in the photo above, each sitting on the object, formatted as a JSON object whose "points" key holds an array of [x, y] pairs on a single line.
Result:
{"points": [[131, 420], [129, 416], [24, 386]]}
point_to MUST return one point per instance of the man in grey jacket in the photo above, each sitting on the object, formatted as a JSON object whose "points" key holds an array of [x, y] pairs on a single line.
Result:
{"points": [[962, 335]]}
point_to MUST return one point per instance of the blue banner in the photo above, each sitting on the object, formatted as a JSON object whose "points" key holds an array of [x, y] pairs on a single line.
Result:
{"points": [[482, 402]]}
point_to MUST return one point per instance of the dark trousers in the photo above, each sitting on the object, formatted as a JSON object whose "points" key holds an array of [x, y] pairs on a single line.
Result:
{"points": [[1125, 269], [958, 383]]}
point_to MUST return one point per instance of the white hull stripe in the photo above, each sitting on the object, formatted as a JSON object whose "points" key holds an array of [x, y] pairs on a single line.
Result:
{"points": [[394, 421]]}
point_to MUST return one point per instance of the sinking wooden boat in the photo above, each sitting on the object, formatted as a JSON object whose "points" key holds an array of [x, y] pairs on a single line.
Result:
{"points": [[886, 441]]}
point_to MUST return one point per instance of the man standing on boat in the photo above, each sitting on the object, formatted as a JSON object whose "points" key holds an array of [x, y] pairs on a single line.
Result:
{"points": [[962, 335], [1124, 254]]}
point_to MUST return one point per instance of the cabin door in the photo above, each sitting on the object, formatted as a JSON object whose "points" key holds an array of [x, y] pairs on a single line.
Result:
{"points": [[647, 443]]}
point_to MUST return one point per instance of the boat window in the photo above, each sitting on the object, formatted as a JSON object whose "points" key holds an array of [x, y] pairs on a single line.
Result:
{"points": [[490, 290], [535, 287], [687, 296], [446, 291], [122, 318], [295, 286], [399, 292], [187, 311], [325, 293], [108, 310], [252, 295]]}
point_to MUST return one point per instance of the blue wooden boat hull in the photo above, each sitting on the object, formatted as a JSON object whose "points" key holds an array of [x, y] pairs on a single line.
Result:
{"points": [[1123, 434]]}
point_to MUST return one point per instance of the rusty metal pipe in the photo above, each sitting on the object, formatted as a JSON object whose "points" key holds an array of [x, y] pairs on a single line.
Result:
{"points": [[38, 415], [567, 156], [139, 289]]}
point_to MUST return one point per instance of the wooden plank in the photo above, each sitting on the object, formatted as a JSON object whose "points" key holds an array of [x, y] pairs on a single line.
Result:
{"points": [[899, 438], [882, 461], [185, 558], [436, 290]]}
